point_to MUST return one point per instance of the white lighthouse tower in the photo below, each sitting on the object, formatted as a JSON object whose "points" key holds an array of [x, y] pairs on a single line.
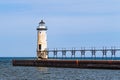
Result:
{"points": [[42, 41]]}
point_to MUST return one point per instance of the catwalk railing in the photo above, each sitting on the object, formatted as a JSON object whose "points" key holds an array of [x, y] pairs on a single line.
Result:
{"points": [[83, 52]]}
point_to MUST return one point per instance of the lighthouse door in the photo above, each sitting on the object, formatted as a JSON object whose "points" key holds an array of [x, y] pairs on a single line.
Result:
{"points": [[40, 47]]}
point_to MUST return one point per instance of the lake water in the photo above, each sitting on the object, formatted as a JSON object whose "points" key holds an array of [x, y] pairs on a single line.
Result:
{"points": [[9, 72]]}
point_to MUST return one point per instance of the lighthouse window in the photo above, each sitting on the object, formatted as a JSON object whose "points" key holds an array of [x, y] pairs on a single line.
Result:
{"points": [[39, 46]]}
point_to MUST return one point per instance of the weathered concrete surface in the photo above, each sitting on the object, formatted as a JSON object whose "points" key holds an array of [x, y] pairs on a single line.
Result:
{"points": [[92, 64]]}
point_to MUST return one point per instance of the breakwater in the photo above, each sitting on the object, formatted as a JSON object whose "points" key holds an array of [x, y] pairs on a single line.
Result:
{"points": [[91, 64]]}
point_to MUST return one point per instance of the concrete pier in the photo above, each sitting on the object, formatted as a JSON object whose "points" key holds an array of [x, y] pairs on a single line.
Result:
{"points": [[91, 64]]}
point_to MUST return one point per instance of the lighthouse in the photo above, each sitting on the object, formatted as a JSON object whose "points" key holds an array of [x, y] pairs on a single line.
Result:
{"points": [[42, 41]]}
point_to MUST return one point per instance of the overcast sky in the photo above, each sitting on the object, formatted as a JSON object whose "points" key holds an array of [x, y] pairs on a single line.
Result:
{"points": [[71, 23]]}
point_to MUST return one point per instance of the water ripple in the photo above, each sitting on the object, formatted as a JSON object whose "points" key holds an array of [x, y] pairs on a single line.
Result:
{"points": [[8, 72]]}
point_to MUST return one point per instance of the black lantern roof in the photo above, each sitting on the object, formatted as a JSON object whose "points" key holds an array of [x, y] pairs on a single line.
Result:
{"points": [[42, 22]]}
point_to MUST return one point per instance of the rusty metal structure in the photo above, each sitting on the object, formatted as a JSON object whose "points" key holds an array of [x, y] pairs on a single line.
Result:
{"points": [[91, 64]]}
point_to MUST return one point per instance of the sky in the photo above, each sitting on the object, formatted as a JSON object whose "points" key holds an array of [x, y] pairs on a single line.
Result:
{"points": [[71, 23]]}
